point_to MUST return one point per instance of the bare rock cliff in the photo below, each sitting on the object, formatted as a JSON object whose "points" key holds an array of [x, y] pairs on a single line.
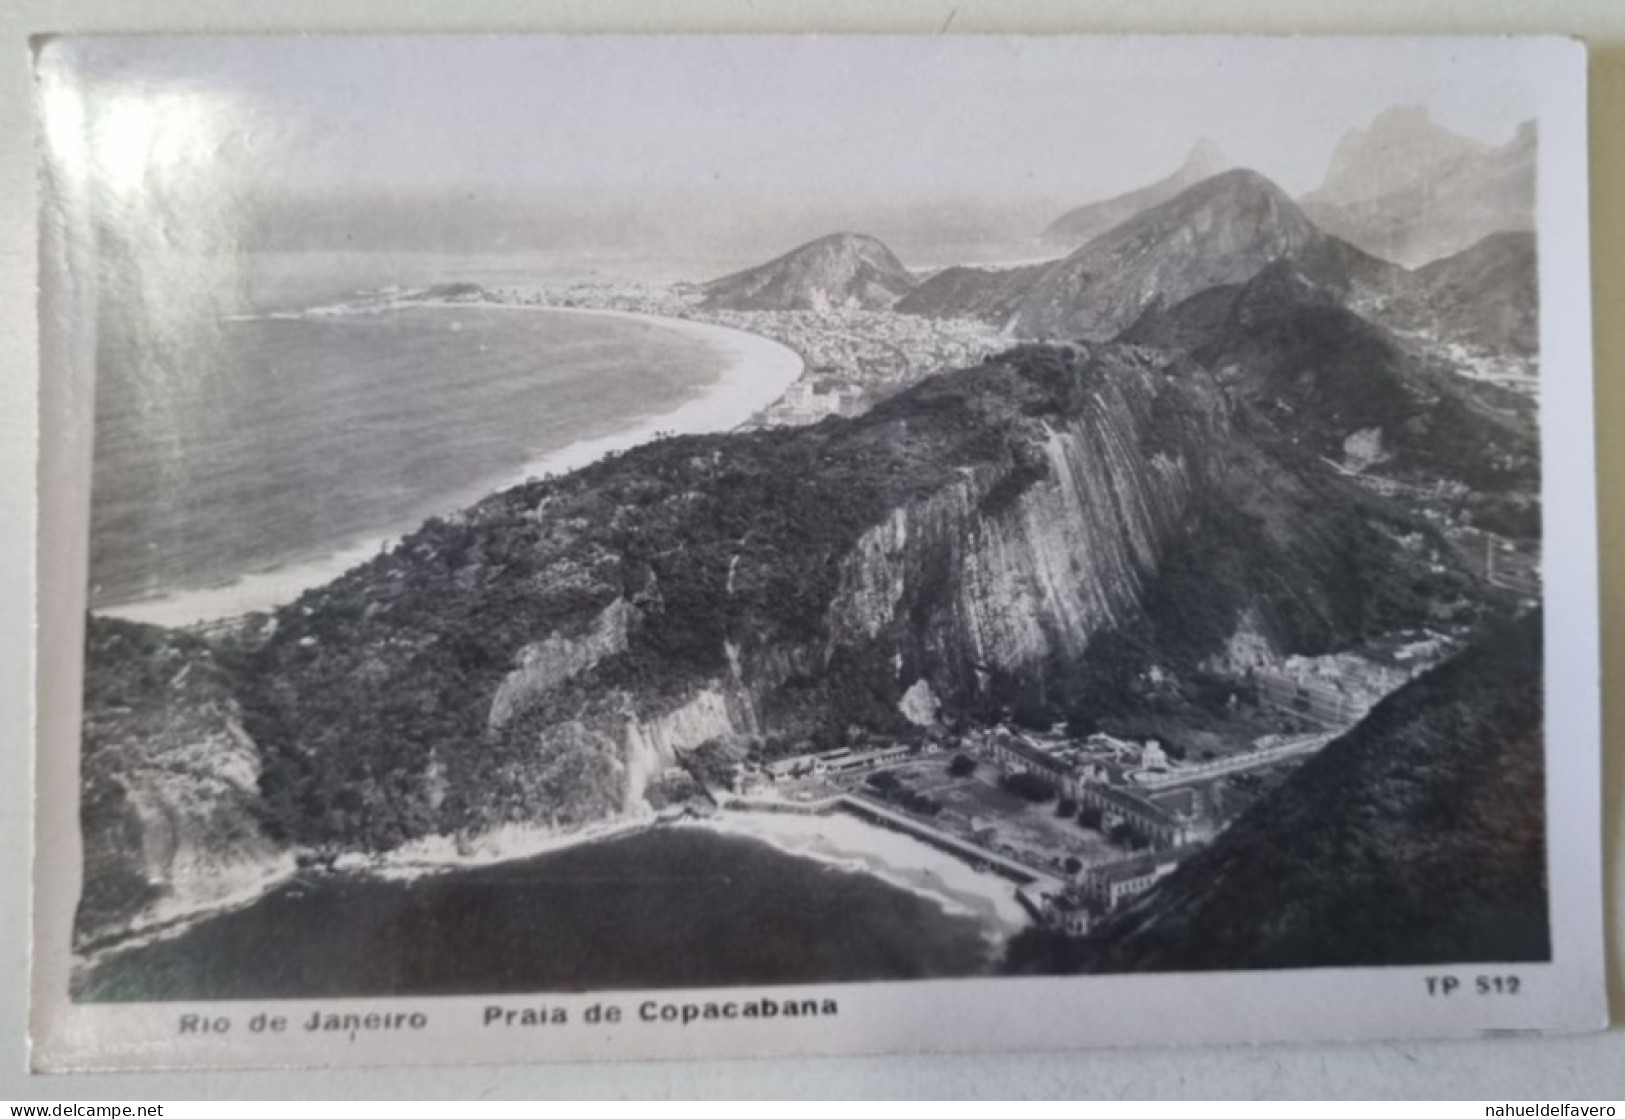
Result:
{"points": [[171, 786]]}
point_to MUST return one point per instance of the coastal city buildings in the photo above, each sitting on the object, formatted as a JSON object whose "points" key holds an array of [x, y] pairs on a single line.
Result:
{"points": [[1111, 884], [853, 357], [833, 763], [1339, 689]]}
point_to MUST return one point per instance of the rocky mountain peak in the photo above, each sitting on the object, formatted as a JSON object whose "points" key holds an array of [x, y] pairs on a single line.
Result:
{"points": [[1077, 226], [846, 243], [1400, 147], [1205, 158], [1409, 190], [1223, 230]]}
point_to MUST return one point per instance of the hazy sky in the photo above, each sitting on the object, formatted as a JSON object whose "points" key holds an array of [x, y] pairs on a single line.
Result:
{"points": [[891, 117]]}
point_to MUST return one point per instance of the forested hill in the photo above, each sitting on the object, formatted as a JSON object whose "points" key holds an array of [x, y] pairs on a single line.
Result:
{"points": [[1292, 348], [1487, 296], [1418, 837], [542, 657], [840, 270]]}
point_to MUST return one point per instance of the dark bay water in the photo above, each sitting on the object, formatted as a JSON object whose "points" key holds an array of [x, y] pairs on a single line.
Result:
{"points": [[661, 908], [227, 446]]}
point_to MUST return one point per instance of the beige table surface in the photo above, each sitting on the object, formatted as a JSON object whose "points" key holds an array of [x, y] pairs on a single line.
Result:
{"points": [[1508, 1069]]}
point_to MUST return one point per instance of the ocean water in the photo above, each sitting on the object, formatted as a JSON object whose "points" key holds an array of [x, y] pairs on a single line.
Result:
{"points": [[673, 907], [230, 445]]}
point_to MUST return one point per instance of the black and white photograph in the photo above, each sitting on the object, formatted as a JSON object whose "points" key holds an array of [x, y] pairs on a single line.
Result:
{"points": [[724, 526]]}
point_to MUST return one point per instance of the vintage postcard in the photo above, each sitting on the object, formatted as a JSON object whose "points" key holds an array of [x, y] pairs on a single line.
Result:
{"points": [[585, 547]]}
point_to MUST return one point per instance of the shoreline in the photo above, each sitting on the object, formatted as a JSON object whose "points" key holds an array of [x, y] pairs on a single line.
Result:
{"points": [[166, 922], [843, 840], [446, 854], [421, 858], [835, 838], [755, 372]]}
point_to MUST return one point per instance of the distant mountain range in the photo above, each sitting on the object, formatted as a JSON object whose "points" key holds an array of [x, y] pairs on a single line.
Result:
{"points": [[1083, 224], [1411, 191], [1225, 231], [841, 270], [1404, 188]]}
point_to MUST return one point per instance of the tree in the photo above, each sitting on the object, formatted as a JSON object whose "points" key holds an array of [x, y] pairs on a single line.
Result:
{"points": [[1028, 786], [885, 780], [711, 764], [1067, 808], [1073, 864], [961, 765]]}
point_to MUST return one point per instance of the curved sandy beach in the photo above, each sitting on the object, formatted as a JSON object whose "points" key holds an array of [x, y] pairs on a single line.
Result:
{"points": [[850, 843], [755, 372], [834, 837]]}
